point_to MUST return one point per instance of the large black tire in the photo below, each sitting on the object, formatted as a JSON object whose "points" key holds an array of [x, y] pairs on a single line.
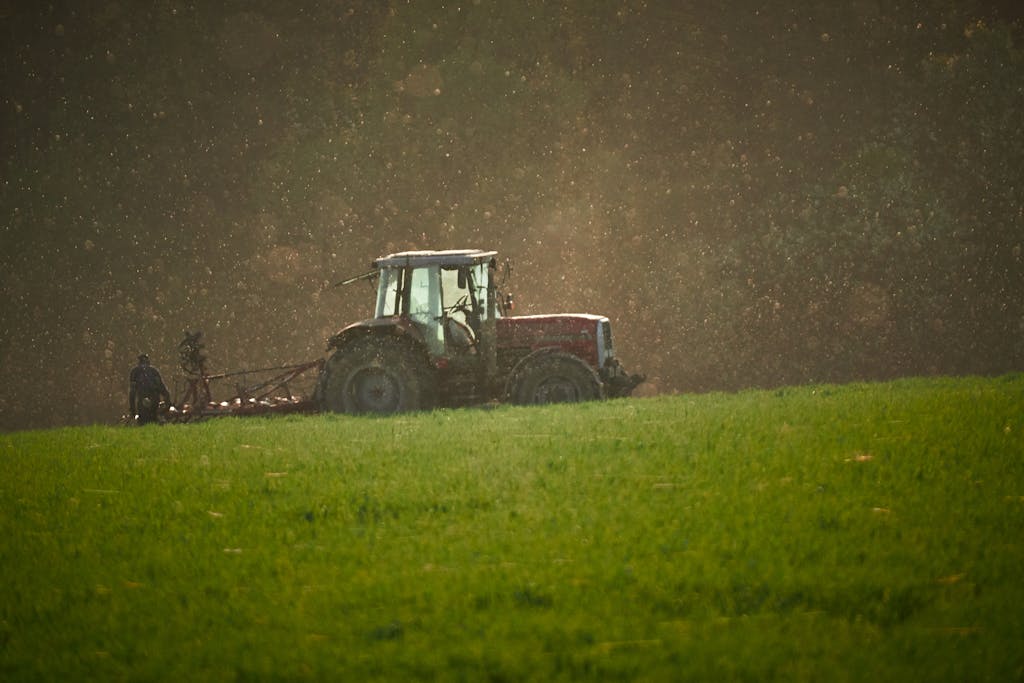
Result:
{"points": [[377, 374], [554, 378]]}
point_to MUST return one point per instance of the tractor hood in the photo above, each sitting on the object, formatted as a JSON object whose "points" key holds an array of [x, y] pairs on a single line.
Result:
{"points": [[587, 336]]}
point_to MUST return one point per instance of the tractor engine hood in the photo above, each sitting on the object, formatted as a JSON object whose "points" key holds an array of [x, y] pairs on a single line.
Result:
{"points": [[585, 335]]}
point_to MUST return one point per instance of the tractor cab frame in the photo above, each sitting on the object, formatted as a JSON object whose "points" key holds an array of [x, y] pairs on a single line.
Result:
{"points": [[444, 293]]}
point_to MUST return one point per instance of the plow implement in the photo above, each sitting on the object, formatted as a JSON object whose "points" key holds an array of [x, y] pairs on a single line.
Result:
{"points": [[277, 390]]}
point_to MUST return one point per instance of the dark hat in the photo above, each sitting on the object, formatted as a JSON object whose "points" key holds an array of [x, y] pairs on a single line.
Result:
{"points": [[143, 357]]}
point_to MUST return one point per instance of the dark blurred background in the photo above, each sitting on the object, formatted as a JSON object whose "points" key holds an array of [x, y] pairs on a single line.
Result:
{"points": [[755, 195]]}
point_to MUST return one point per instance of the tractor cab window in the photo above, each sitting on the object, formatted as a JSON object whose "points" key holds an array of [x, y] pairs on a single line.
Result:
{"points": [[461, 307], [389, 293], [455, 294], [424, 294], [416, 293], [424, 305], [409, 291], [464, 292], [480, 279]]}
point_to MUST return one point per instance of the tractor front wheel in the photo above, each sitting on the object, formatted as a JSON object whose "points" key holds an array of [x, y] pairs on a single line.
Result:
{"points": [[376, 374], [554, 378]]}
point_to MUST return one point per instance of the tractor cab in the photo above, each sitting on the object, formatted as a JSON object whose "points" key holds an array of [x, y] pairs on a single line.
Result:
{"points": [[444, 293]]}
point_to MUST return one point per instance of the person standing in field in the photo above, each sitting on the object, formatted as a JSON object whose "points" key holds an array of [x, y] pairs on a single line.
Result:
{"points": [[146, 388]]}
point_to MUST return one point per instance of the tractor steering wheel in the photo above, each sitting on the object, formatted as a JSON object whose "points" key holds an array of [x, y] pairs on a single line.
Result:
{"points": [[460, 306]]}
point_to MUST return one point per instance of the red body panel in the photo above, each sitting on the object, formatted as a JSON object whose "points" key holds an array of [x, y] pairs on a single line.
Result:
{"points": [[575, 334]]}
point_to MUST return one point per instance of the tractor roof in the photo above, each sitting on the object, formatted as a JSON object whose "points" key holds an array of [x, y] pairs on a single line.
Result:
{"points": [[450, 257]]}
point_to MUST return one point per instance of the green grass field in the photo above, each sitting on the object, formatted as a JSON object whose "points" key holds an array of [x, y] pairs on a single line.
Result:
{"points": [[868, 532]]}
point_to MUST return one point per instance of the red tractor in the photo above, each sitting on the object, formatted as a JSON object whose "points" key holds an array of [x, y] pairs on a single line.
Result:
{"points": [[441, 336]]}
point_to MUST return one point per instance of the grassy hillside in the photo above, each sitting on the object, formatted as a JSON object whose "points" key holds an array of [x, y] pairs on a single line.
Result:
{"points": [[860, 532]]}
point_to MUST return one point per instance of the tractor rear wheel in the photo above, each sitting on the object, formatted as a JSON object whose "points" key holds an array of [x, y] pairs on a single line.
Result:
{"points": [[376, 374], [554, 378]]}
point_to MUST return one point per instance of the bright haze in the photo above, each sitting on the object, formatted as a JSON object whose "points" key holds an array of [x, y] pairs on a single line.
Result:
{"points": [[754, 195]]}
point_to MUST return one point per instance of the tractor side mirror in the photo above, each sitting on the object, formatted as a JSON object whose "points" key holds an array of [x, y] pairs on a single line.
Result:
{"points": [[463, 280]]}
